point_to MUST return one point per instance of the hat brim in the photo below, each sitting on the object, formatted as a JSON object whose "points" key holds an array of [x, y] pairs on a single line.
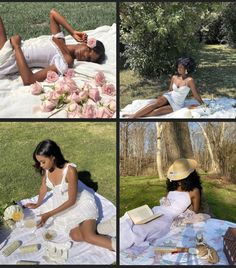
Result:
{"points": [[176, 176]]}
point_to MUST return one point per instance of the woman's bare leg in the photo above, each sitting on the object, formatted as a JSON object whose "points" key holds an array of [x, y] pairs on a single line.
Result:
{"points": [[167, 109], [86, 231], [3, 36], [159, 102]]}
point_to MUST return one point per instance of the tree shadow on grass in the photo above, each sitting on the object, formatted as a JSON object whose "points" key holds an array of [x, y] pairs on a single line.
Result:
{"points": [[217, 71]]}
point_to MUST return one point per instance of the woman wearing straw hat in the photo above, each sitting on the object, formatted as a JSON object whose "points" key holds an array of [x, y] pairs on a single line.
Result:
{"points": [[184, 192]]}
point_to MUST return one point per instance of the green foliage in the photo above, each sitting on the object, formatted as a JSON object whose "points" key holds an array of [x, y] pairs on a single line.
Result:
{"points": [[156, 34], [229, 22]]}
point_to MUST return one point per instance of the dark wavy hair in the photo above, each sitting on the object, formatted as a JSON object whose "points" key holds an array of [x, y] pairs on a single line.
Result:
{"points": [[48, 148], [188, 63], [187, 184], [100, 50]]}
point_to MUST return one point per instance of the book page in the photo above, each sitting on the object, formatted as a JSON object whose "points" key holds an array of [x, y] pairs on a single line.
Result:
{"points": [[141, 213]]}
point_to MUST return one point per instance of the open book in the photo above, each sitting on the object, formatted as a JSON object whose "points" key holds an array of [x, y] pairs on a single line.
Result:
{"points": [[143, 214]]}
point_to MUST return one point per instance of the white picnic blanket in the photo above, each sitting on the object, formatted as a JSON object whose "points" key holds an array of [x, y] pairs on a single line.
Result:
{"points": [[219, 108], [183, 236], [16, 100], [79, 253]]}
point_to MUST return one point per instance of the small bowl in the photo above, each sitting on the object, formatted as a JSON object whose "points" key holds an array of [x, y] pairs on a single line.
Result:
{"points": [[49, 235]]}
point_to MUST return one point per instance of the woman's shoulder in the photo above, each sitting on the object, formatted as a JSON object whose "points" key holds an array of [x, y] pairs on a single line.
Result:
{"points": [[195, 192]]}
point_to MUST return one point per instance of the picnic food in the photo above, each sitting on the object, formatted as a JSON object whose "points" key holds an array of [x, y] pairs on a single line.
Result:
{"points": [[11, 248]]}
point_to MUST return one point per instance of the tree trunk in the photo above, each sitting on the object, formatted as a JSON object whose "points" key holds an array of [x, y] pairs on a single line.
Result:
{"points": [[177, 141], [158, 151], [215, 168]]}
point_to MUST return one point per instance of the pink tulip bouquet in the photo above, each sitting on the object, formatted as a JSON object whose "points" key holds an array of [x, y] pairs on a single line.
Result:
{"points": [[95, 99]]}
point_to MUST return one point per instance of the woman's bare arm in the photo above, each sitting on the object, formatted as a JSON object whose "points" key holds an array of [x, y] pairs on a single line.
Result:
{"points": [[195, 200], [194, 90], [72, 179], [57, 19], [42, 193]]}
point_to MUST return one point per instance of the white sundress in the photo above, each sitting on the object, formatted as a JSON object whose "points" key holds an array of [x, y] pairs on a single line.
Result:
{"points": [[39, 52], [177, 96], [131, 234], [85, 207]]}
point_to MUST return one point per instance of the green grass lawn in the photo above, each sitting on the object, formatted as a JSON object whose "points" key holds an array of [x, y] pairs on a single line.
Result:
{"points": [[91, 146], [216, 74], [31, 19], [137, 191]]}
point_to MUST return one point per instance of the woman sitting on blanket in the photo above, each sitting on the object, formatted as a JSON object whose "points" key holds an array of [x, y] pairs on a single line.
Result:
{"points": [[179, 88], [71, 211], [183, 199], [49, 53]]}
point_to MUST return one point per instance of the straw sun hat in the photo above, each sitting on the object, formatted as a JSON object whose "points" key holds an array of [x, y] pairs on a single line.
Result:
{"points": [[181, 168]]}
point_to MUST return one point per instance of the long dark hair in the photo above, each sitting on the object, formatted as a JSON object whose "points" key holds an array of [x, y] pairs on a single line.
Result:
{"points": [[188, 63], [48, 148], [100, 50], [187, 184]]}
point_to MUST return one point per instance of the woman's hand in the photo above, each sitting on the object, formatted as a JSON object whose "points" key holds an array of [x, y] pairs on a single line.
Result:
{"points": [[44, 218], [31, 205], [80, 36], [15, 41]]}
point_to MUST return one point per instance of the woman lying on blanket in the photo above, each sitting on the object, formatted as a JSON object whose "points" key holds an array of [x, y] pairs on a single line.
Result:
{"points": [[184, 195], [49, 53], [72, 211], [179, 88]]}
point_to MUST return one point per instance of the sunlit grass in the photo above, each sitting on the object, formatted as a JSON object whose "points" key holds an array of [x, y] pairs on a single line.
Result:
{"points": [[137, 191], [31, 19], [216, 74]]}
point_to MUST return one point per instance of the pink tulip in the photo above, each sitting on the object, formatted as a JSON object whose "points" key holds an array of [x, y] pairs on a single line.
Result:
{"points": [[109, 89], [52, 77], [94, 94], [70, 83], [70, 73], [87, 87], [112, 105], [48, 106], [75, 97], [53, 96], [100, 79], [103, 112], [91, 42], [74, 110], [89, 111], [83, 95], [36, 88]]}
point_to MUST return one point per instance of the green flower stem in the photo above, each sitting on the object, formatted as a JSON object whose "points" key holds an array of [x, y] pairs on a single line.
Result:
{"points": [[84, 75], [60, 109]]}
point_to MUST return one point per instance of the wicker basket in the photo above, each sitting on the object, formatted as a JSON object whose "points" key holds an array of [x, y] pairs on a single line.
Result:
{"points": [[230, 245]]}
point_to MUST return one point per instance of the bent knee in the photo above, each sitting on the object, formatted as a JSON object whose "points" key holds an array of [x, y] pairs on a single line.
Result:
{"points": [[75, 235]]}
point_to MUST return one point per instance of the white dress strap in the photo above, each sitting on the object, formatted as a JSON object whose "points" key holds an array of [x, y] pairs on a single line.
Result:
{"points": [[59, 35], [63, 181]]}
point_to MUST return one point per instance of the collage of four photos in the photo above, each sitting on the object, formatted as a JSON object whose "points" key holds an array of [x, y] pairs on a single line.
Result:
{"points": [[118, 133]]}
